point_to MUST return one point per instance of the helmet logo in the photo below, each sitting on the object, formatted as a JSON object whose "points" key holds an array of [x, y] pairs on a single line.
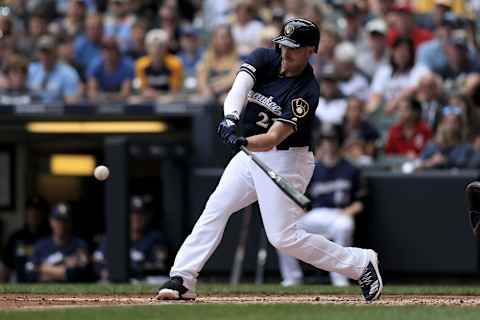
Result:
{"points": [[289, 28], [300, 107]]}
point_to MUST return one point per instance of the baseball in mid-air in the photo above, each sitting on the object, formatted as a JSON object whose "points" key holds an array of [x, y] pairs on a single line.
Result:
{"points": [[101, 173]]}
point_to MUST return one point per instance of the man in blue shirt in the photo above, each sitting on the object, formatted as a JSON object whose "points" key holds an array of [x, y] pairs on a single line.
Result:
{"points": [[191, 54], [88, 45], [435, 53], [61, 257], [51, 80], [110, 76]]}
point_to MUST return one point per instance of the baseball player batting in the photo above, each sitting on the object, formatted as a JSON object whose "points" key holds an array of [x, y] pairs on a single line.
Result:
{"points": [[276, 93]]}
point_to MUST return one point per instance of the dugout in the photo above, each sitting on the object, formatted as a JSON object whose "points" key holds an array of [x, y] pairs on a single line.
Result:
{"points": [[417, 222]]}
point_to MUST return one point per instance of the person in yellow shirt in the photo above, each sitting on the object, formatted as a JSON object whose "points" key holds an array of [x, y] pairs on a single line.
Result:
{"points": [[218, 68], [158, 73]]}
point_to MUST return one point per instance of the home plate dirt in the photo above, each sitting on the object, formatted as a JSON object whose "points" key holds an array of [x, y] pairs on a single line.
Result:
{"points": [[31, 301]]}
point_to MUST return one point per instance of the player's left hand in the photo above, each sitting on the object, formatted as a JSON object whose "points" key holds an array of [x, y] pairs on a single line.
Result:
{"points": [[227, 127], [236, 142]]}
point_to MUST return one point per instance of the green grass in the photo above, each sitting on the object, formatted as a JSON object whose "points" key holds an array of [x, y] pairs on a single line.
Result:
{"points": [[244, 311], [239, 289]]}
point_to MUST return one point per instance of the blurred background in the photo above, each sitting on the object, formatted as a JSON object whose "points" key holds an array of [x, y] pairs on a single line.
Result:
{"points": [[139, 86]]}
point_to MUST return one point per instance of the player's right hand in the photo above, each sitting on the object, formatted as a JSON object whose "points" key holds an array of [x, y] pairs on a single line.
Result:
{"points": [[227, 126]]}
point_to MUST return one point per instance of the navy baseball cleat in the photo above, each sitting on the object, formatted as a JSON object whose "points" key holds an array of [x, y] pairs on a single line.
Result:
{"points": [[174, 289], [371, 281]]}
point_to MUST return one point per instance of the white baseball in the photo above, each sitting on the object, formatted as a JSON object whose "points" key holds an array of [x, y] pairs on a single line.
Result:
{"points": [[101, 173]]}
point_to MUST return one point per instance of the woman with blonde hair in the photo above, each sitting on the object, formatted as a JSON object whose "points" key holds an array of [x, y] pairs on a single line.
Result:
{"points": [[448, 148], [219, 66]]}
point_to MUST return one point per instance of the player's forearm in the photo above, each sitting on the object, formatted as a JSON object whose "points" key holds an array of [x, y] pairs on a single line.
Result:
{"points": [[261, 142], [278, 132], [264, 141]]}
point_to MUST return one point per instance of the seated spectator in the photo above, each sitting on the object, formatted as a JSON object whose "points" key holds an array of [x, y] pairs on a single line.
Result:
{"points": [[433, 53], [215, 12], [436, 14], [73, 23], [468, 112], [19, 246], [398, 79], [219, 66], [266, 36], [332, 104], [37, 26], [432, 97], [360, 135], [8, 41], [50, 79], [245, 29], [404, 25], [369, 59], [88, 45], [326, 49], [118, 23], [335, 190], [448, 148], [169, 21], [460, 61], [66, 54], [60, 257], [353, 31], [352, 82], [432, 12], [62, 6], [410, 135], [293, 8], [380, 8], [313, 12], [190, 54], [159, 73], [148, 252], [109, 78], [15, 91], [137, 48]]}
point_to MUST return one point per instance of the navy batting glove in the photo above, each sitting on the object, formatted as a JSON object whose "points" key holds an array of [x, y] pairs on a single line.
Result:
{"points": [[236, 142], [227, 127]]}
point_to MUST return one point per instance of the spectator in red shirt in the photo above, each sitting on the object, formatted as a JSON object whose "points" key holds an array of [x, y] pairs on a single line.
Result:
{"points": [[403, 25], [411, 133]]}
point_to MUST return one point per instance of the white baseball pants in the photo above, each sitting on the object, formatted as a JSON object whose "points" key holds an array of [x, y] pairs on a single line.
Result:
{"points": [[329, 222], [243, 183]]}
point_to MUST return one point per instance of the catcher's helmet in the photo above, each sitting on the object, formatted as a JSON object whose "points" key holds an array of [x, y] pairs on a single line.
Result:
{"points": [[298, 33]]}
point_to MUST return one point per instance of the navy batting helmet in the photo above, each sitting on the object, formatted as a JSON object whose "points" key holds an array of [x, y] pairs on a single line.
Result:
{"points": [[298, 33]]}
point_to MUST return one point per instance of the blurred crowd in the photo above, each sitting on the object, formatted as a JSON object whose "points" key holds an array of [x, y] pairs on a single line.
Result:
{"points": [[401, 77]]}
